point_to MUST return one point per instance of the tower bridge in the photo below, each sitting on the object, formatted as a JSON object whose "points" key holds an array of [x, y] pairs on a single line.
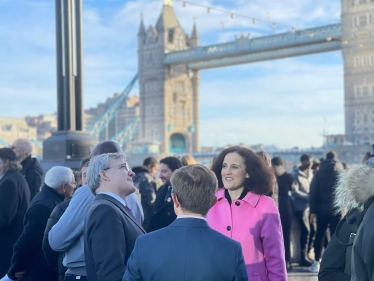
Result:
{"points": [[169, 64]]}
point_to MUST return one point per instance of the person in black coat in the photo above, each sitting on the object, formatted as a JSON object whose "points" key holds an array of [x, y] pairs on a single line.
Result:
{"points": [[14, 200], [163, 210], [145, 182], [31, 169], [321, 199], [285, 181], [28, 261]]}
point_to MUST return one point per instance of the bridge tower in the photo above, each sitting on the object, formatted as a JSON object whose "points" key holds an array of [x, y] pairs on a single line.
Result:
{"points": [[169, 95], [358, 55]]}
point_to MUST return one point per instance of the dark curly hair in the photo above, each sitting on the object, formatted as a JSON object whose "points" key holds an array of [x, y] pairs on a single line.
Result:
{"points": [[261, 177]]}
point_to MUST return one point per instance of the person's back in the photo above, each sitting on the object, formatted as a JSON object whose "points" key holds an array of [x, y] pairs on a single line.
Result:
{"points": [[33, 172], [188, 249]]}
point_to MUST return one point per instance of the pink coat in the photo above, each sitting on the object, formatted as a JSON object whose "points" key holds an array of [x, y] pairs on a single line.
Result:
{"points": [[253, 221]]}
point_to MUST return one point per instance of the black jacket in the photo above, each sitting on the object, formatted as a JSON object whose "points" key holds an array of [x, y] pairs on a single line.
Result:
{"points": [[14, 200], [33, 173], [147, 187], [54, 258], [321, 196], [336, 260], [110, 232], [363, 247], [163, 210], [28, 255]]}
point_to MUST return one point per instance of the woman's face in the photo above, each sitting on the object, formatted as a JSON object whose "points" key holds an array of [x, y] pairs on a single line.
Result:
{"points": [[233, 171]]}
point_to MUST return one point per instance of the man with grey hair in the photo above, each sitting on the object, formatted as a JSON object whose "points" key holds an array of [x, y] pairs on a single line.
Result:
{"points": [[31, 169], [67, 234], [28, 262], [188, 249], [110, 179]]}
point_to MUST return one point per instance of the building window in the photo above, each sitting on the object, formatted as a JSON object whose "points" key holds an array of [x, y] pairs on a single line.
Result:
{"points": [[361, 2], [372, 92], [357, 62], [355, 22], [358, 91], [365, 91], [363, 20], [364, 61], [372, 60]]}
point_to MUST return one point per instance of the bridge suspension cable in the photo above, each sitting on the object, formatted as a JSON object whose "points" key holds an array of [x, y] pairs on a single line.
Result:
{"points": [[127, 132], [108, 116]]}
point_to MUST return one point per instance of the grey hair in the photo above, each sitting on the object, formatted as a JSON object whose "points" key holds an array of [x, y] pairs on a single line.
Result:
{"points": [[97, 164], [57, 176], [13, 165]]}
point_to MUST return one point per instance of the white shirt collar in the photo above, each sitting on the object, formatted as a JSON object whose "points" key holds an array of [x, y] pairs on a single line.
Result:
{"points": [[190, 217], [115, 196]]}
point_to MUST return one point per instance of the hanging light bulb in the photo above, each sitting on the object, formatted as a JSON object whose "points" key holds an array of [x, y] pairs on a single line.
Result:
{"points": [[184, 4], [254, 21], [311, 34], [232, 15], [292, 30], [274, 25], [208, 10], [361, 45], [345, 42], [329, 38]]}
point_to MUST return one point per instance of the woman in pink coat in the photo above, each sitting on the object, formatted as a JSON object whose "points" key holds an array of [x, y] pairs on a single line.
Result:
{"points": [[245, 214]]}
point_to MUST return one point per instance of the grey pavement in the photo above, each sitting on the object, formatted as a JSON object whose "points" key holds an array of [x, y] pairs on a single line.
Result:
{"points": [[301, 274]]}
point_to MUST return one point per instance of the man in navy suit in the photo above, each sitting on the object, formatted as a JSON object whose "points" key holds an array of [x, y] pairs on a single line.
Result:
{"points": [[188, 249], [110, 229]]}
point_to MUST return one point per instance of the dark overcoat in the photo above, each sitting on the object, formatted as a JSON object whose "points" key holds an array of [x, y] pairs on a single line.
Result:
{"points": [[14, 200]]}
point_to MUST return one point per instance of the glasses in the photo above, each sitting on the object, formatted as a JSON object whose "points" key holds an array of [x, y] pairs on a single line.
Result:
{"points": [[121, 166], [74, 183]]}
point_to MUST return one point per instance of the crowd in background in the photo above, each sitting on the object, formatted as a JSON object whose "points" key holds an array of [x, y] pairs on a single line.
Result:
{"points": [[113, 222]]}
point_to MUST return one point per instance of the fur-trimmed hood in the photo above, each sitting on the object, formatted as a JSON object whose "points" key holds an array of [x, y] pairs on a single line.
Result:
{"points": [[354, 188]]}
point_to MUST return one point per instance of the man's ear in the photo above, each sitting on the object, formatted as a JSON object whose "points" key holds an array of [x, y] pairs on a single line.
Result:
{"points": [[103, 175], [175, 200]]}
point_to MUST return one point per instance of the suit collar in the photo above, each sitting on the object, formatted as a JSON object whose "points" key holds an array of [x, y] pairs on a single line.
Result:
{"points": [[189, 222], [251, 197], [120, 206]]}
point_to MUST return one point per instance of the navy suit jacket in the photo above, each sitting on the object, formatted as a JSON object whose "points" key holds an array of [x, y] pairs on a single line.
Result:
{"points": [[110, 233], [187, 250]]}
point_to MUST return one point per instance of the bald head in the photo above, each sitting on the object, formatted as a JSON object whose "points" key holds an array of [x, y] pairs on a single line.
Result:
{"points": [[106, 147], [22, 148]]}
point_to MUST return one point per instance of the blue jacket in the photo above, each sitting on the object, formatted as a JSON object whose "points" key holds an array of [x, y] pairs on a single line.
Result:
{"points": [[186, 250]]}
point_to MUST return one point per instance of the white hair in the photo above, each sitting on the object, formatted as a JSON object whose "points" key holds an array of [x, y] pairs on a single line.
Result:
{"points": [[58, 175], [96, 164]]}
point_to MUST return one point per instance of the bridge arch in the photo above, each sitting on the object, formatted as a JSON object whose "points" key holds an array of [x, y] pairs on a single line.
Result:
{"points": [[178, 143]]}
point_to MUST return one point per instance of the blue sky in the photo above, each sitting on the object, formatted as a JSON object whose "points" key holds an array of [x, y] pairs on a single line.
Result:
{"points": [[285, 102]]}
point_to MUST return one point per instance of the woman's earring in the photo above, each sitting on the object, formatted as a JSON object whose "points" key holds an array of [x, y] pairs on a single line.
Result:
{"points": [[247, 176]]}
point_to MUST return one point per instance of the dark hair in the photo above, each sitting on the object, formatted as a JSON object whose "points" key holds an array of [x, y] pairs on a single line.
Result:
{"points": [[305, 157], [331, 155], [106, 147], [276, 161], [172, 162], [195, 187], [84, 163], [150, 161], [261, 177]]}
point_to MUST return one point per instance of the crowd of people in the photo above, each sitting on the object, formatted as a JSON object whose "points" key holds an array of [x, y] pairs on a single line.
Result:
{"points": [[231, 221]]}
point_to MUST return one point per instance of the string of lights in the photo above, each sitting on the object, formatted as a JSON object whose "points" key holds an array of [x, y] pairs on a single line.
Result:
{"points": [[254, 20]]}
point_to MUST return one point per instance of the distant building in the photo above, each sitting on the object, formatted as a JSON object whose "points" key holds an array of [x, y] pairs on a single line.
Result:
{"points": [[15, 128]]}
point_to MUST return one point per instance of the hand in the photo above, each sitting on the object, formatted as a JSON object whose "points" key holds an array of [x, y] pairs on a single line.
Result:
{"points": [[313, 218], [20, 275]]}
